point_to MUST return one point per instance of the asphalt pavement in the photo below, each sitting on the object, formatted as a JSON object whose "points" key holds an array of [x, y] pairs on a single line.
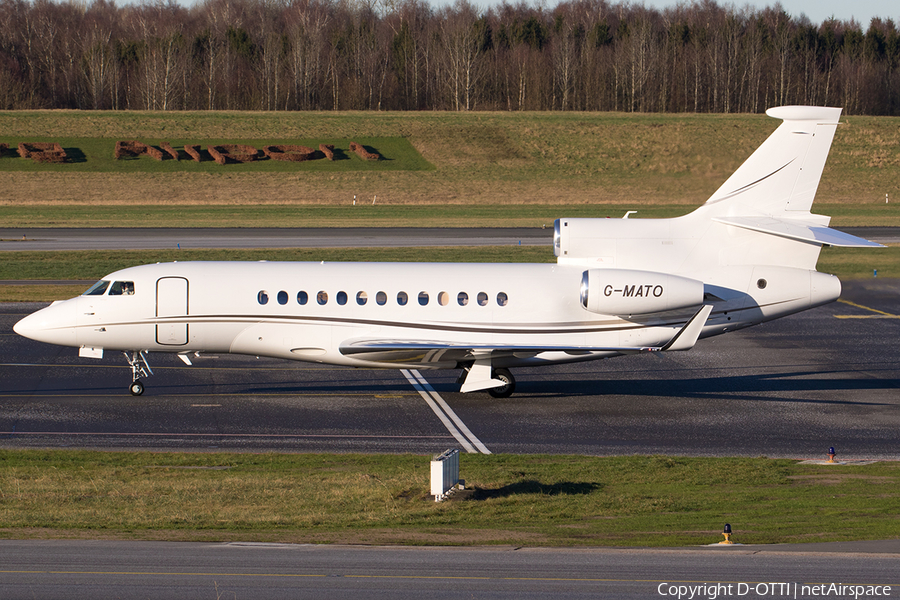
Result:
{"points": [[71, 570], [789, 388]]}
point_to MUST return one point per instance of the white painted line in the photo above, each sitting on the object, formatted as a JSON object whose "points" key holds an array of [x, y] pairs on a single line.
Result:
{"points": [[459, 422], [440, 414], [445, 413]]}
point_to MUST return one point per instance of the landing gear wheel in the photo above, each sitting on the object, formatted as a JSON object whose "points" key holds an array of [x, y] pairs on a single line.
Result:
{"points": [[136, 388], [504, 391]]}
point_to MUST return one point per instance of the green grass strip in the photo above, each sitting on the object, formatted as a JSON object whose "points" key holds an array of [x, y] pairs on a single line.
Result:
{"points": [[93, 264], [363, 215], [533, 500], [367, 215]]}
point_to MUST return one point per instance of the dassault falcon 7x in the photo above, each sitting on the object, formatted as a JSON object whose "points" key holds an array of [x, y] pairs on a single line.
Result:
{"points": [[619, 286]]}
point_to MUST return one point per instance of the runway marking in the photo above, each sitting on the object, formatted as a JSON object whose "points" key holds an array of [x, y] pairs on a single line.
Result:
{"points": [[880, 314], [314, 575], [218, 435], [172, 368], [39, 395], [401, 577], [443, 411]]}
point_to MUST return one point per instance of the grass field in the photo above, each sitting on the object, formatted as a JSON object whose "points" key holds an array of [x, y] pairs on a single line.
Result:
{"points": [[477, 158], [511, 500]]}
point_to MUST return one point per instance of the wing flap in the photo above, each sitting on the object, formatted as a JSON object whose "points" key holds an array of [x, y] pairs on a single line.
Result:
{"points": [[436, 352]]}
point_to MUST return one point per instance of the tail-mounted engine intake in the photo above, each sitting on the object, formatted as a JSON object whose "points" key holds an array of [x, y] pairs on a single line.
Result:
{"points": [[623, 292]]}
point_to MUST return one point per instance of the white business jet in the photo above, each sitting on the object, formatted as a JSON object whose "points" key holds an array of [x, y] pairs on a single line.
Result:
{"points": [[619, 286]]}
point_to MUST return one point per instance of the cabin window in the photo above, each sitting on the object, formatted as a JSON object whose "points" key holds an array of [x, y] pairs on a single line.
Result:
{"points": [[122, 288], [341, 298], [402, 298], [322, 297], [302, 297], [381, 298], [282, 297], [423, 298], [462, 298], [98, 289], [443, 298], [502, 299], [262, 297], [482, 299], [362, 298]]}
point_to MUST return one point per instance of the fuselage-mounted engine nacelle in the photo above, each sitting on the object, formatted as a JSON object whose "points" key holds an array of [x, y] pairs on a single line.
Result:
{"points": [[627, 292]]}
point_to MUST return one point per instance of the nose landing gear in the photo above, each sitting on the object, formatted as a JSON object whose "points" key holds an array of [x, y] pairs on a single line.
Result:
{"points": [[139, 368]]}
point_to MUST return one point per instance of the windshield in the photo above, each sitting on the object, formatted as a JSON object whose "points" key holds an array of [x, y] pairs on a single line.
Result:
{"points": [[98, 289]]}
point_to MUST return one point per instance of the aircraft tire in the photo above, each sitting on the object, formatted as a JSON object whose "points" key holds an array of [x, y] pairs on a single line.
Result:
{"points": [[504, 391], [136, 388]]}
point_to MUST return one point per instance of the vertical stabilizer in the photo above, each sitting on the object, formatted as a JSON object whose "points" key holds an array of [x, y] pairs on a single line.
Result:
{"points": [[781, 177]]}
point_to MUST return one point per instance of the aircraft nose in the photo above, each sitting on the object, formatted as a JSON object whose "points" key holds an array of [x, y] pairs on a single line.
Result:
{"points": [[53, 325]]}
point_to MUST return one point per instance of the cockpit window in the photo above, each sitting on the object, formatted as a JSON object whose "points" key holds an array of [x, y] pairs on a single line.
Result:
{"points": [[122, 288], [98, 289]]}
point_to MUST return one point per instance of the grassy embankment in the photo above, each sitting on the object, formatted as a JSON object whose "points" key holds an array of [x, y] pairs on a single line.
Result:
{"points": [[534, 500], [434, 159]]}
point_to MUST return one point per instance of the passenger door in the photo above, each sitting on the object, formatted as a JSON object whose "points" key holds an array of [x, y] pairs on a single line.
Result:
{"points": [[172, 303]]}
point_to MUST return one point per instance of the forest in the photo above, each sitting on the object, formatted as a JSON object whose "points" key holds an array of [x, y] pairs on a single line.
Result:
{"points": [[334, 55]]}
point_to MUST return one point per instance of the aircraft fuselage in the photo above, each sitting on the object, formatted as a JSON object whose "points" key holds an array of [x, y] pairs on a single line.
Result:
{"points": [[320, 311]]}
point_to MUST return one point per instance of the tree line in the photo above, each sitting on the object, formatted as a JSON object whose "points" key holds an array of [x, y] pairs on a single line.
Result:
{"points": [[406, 55]]}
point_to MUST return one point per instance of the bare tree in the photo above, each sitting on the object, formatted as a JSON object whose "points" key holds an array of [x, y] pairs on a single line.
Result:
{"points": [[401, 54], [464, 38], [307, 26]]}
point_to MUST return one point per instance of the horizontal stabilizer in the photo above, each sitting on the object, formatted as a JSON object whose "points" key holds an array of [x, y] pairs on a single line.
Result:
{"points": [[799, 230]]}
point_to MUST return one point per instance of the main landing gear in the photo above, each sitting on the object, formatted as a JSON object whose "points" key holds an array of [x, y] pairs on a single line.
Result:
{"points": [[479, 375], [504, 391], [139, 368]]}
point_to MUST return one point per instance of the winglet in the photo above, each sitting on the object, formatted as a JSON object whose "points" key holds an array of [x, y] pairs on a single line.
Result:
{"points": [[687, 336]]}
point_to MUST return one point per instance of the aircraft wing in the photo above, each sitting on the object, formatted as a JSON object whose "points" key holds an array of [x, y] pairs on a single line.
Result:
{"points": [[430, 352]]}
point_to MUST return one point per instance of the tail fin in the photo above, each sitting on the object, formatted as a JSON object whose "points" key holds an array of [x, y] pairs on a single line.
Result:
{"points": [[773, 191], [781, 177]]}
